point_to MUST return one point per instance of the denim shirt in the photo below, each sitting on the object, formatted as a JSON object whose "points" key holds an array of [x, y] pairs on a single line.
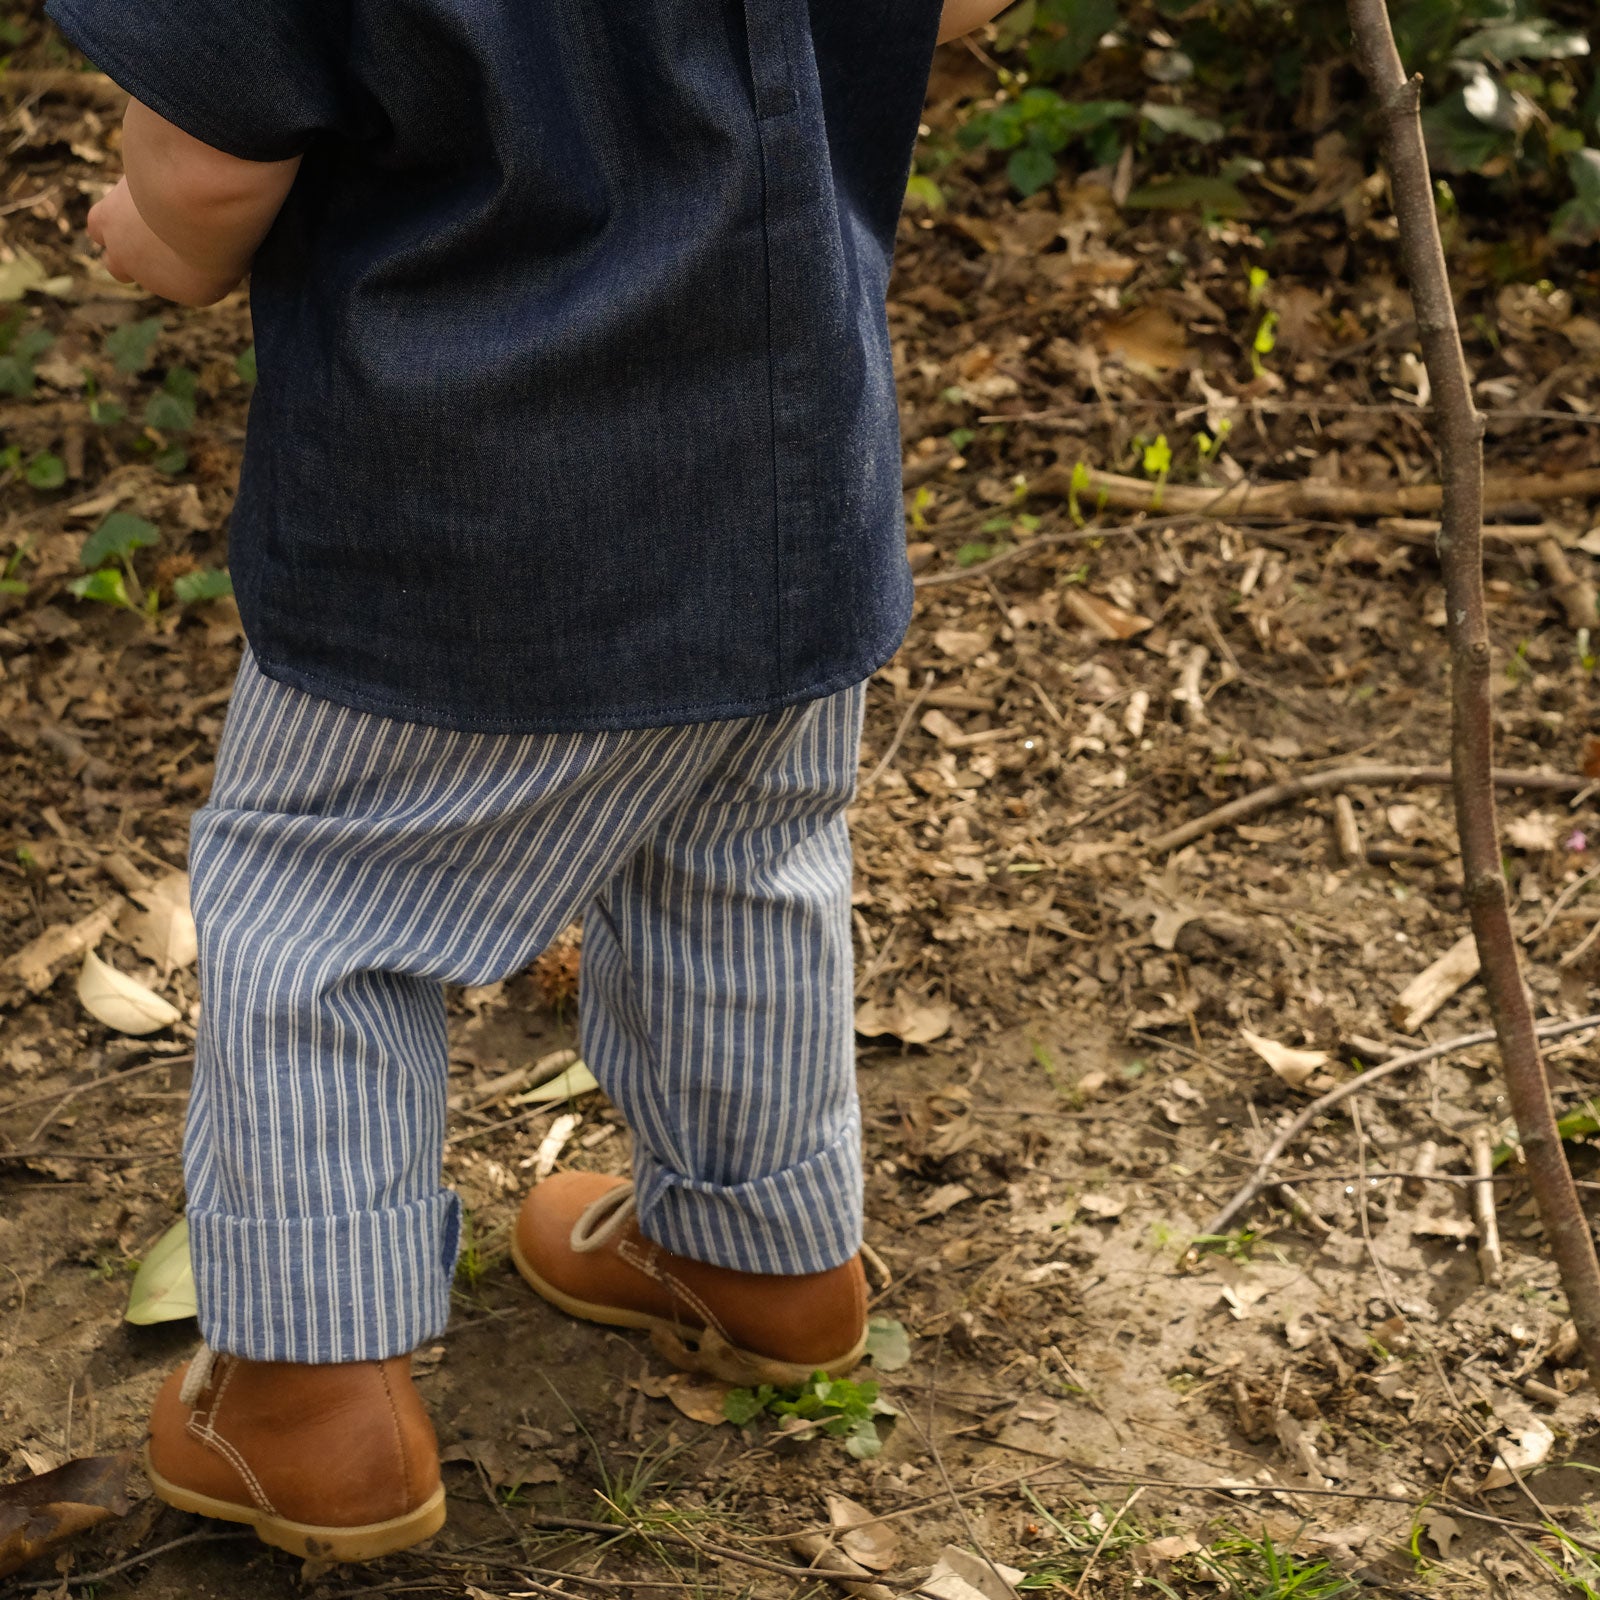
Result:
{"points": [[575, 404]]}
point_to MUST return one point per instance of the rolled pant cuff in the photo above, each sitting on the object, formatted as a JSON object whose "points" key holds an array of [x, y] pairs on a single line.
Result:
{"points": [[806, 1218], [361, 1287]]}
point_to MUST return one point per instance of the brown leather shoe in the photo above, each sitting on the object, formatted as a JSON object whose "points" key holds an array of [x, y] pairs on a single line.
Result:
{"points": [[578, 1243], [335, 1462]]}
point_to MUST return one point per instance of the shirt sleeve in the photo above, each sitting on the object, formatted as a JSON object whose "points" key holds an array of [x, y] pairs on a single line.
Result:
{"points": [[254, 80]]}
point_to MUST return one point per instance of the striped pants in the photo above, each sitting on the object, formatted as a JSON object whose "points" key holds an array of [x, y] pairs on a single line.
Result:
{"points": [[347, 867]]}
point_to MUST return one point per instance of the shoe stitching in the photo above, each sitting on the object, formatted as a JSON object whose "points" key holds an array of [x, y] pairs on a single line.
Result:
{"points": [[649, 1265], [399, 1442], [206, 1433]]}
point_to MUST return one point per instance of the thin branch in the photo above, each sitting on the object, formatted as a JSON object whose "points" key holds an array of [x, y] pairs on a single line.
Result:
{"points": [[1258, 1179], [900, 733], [1459, 433], [1375, 773]]}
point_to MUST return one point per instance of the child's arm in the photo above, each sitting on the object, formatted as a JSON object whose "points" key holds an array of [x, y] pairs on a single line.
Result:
{"points": [[962, 16], [186, 219]]}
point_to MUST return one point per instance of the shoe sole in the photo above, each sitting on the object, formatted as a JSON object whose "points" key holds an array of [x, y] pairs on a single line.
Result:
{"points": [[364, 1543], [693, 1349]]}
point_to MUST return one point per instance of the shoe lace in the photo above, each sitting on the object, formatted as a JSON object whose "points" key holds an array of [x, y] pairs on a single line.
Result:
{"points": [[602, 1220], [198, 1375]]}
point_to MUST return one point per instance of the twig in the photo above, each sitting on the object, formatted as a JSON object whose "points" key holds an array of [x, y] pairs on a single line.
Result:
{"points": [[96, 1083], [1376, 773], [1348, 830], [80, 1578], [1110, 1528], [1459, 432], [1258, 1179], [1577, 595], [45, 1153], [899, 735], [1579, 950], [1296, 499], [1489, 1259], [1562, 901]]}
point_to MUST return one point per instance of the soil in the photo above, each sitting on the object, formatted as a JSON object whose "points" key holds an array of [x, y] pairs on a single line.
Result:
{"points": [[1058, 1088]]}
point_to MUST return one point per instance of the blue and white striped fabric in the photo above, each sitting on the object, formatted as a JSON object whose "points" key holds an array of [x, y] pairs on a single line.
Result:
{"points": [[347, 866]]}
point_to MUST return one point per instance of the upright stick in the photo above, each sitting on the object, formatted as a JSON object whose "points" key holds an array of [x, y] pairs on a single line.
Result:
{"points": [[1459, 431]]}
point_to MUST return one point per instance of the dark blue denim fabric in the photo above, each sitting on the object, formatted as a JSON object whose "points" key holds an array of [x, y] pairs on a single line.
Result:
{"points": [[575, 405]]}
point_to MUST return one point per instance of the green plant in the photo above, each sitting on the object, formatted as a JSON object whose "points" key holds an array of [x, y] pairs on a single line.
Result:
{"points": [[1571, 1564], [1082, 1533], [107, 558], [45, 471], [1256, 1569], [171, 408], [840, 1408], [10, 583], [1512, 95], [20, 347], [130, 345]]}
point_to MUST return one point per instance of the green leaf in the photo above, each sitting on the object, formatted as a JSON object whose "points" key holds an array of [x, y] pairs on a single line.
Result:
{"points": [[106, 586], [1579, 219], [1158, 457], [245, 366], [172, 410], [1073, 34], [106, 413], [1205, 194], [117, 538], [1181, 120], [211, 583], [172, 460], [46, 471], [742, 1405], [163, 1287], [863, 1442], [1528, 39], [1030, 170], [1457, 140], [923, 193], [888, 1344], [130, 345]]}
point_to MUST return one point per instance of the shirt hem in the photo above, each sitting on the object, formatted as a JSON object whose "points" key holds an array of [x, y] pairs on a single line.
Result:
{"points": [[400, 709]]}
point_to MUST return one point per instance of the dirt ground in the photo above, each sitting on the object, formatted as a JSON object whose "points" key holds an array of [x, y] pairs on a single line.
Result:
{"points": [[1056, 1062]]}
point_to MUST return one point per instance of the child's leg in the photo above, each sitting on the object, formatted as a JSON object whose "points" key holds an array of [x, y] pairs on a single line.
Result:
{"points": [[717, 1003], [345, 867]]}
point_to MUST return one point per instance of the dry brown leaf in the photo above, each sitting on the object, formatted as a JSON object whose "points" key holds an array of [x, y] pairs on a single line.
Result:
{"points": [[961, 646], [1101, 617], [1148, 337], [1295, 1067], [121, 1002], [699, 1398], [907, 1017], [163, 932], [39, 1514], [861, 1536], [1532, 1445]]}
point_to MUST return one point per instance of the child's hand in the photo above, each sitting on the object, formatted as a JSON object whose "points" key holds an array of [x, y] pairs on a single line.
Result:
{"points": [[134, 254]]}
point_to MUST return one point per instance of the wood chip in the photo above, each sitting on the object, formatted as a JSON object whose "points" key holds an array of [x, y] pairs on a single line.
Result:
{"points": [[1429, 990]]}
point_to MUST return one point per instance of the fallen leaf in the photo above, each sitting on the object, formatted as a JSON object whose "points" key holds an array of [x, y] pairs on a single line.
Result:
{"points": [[568, 1085], [1537, 831], [960, 1575], [1295, 1067], [1148, 337], [888, 1344], [1440, 1528], [1533, 1444], [699, 1398], [40, 1513], [959, 646], [1589, 757], [121, 1002], [1432, 1225], [163, 932], [482, 1453], [908, 1018], [945, 1198], [20, 275], [1101, 617], [1172, 1548], [1107, 1207], [163, 1287], [945, 729], [862, 1537]]}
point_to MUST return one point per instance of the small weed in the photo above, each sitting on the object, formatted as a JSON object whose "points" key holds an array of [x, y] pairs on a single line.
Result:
{"points": [[1571, 1564], [1256, 1569], [1235, 1246], [1081, 1533], [840, 1408]]}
